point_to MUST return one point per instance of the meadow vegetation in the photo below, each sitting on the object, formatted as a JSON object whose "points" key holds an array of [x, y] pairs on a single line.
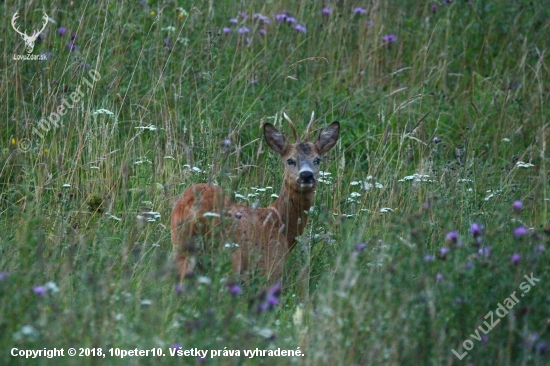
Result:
{"points": [[431, 211]]}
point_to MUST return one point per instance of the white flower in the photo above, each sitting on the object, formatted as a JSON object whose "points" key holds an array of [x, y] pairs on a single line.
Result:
{"points": [[103, 111], [521, 164], [417, 178], [146, 302], [150, 128], [142, 161], [52, 287], [204, 280], [491, 194]]}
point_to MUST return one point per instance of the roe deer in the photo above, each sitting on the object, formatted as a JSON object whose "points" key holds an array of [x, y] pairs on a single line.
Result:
{"points": [[264, 235]]}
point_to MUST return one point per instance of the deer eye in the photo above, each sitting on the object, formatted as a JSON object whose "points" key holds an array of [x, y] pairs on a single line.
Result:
{"points": [[317, 161], [291, 162]]}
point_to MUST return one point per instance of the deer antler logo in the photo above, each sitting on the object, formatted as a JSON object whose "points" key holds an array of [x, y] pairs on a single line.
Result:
{"points": [[29, 40]]}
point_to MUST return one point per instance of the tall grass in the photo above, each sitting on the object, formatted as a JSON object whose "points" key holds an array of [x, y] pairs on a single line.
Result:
{"points": [[442, 127]]}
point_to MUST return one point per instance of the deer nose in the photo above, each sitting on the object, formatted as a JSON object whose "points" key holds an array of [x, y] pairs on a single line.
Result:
{"points": [[306, 176]]}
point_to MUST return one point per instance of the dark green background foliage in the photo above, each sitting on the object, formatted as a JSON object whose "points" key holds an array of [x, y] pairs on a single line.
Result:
{"points": [[442, 127]]}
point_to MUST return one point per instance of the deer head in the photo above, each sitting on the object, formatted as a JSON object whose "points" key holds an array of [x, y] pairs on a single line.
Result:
{"points": [[302, 158], [29, 40]]}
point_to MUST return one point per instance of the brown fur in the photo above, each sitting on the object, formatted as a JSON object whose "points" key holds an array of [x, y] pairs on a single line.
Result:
{"points": [[264, 235]]}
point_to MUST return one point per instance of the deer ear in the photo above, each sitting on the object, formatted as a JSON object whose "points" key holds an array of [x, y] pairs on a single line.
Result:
{"points": [[328, 137], [275, 139]]}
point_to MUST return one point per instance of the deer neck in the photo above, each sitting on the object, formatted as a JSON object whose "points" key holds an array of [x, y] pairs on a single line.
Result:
{"points": [[293, 207]]}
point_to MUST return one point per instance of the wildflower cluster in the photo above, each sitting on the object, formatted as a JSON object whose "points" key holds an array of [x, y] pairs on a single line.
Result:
{"points": [[71, 45], [243, 24], [270, 298], [476, 230]]}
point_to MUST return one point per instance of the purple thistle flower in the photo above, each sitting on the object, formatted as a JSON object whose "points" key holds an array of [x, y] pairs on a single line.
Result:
{"points": [[233, 20], [452, 236], [238, 215], [3, 275], [300, 28], [540, 249], [468, 265], [71, 46], [226, 29], [542, 348], [517, 206], [369, 23], [176, 346], [243, 30], [531, 339], [438, 277], [436, 140], [73, 36], [484, 338], [434, 8], [62, 31], [234, 289], [389, 38], [243, 15], [443, 252], [290, 20], [272, 301], [516, 258], [359, 11], [360, 247], [270, 298], [484, 251], [476, 229], [179, 288], [326, 11], [275, 290], [262, 31], [429, 258], [520, 231], [40, 290], [167, 43], [280, 17], [262, 18], [263, 306]]}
